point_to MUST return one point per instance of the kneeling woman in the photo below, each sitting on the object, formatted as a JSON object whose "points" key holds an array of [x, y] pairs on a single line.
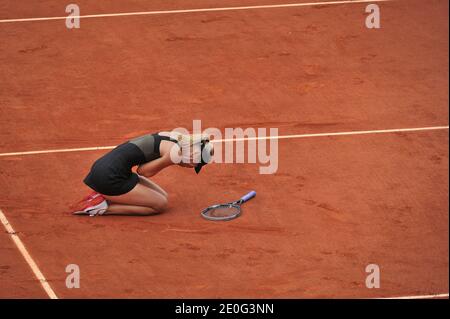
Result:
{"points": [[117, 190]]}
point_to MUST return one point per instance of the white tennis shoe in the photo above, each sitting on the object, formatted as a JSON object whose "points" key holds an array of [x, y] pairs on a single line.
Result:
{"points": [[96, 206]]}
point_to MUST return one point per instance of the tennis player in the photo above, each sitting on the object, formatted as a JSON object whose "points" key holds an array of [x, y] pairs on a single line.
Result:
{"points": [[120, 191]]}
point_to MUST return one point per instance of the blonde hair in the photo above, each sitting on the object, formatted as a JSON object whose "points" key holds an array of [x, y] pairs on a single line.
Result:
{"points": [[190, 147]]}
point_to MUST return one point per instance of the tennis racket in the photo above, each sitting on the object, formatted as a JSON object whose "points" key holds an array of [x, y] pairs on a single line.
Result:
{"points": [[228, 211]]}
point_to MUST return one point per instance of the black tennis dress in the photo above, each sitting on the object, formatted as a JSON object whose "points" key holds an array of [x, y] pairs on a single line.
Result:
{"points": [[111, 174]]}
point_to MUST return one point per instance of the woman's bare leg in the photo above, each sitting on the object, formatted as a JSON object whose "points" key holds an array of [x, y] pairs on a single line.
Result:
{"points": [[148, 183], [120, 209], [140, 199]]}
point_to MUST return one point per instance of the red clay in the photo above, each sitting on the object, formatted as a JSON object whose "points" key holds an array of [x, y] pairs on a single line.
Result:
{"points": [[16, 278], [335, 204]]}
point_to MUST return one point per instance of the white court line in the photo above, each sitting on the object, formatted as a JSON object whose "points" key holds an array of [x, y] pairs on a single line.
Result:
{"points": [[400, 130], [273, 6], [27, 256], [420, 297], [65, 150], [84, 149]]}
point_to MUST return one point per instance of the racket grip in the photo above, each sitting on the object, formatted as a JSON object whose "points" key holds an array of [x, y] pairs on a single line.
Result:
{"points": [[248, 196]]}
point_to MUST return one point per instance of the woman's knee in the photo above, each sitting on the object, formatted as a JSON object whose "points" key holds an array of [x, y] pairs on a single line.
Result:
{"points": [[148, 183], [161, 204]]}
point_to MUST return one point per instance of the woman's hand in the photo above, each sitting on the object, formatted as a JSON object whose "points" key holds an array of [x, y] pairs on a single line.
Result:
{"points": [[195, 158], [191, 163], [152, 168]]}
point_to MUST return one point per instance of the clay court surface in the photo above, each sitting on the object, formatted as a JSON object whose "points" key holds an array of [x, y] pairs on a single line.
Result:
{"points": [[335, 205]]}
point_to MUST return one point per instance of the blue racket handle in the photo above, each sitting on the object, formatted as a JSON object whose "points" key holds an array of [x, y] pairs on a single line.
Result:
{"points": [[248, 196]]}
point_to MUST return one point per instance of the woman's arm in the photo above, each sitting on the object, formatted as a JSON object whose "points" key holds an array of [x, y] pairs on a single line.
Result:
{"points": [[152, 168]]}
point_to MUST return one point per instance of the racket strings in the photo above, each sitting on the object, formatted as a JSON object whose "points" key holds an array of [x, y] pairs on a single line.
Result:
{"points": [[223, 211], [226, 211]]}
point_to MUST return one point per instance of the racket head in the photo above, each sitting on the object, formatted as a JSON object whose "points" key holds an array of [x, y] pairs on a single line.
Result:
{"points": [[222, 212]]}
